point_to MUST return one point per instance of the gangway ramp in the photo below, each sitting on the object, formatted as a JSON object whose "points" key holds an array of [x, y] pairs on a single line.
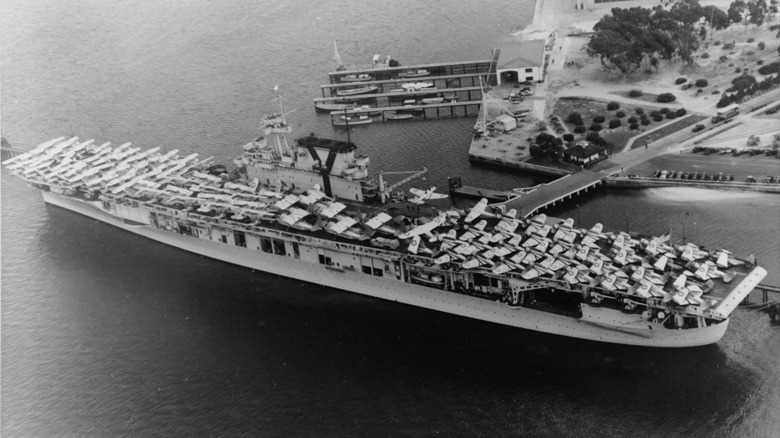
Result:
{"points": [[557, 191]]}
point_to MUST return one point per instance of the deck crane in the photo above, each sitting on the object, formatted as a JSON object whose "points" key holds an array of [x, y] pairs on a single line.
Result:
{"points": [[385, 191], [337, 57]]}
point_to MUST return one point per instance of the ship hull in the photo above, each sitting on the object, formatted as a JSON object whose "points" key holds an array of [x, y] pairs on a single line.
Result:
{"points": [[596, 328]]}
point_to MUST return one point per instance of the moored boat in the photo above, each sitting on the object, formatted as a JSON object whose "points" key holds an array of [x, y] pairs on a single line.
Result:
{"points": [[350, 120], [362, 77], [414, 73], [399, 116], [357, 90], [334, 106]]}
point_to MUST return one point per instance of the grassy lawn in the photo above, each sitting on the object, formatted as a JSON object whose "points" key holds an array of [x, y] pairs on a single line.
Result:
{"points": [[590, 108], [618, 139], [668, 129]]}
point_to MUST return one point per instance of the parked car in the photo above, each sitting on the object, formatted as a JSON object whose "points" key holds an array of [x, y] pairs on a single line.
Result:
{"points": [[687, 86], [698, 127], [680, 80]]}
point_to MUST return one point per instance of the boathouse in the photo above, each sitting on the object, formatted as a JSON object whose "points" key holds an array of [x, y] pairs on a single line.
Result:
{"points": [[520, 61], [584, 153]]}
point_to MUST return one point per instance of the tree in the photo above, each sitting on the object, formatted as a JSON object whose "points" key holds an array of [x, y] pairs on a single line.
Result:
{"points": [[744, 81], [687, 11], [549, 144], [716, 17], [634, 38], [613, 51], [736, 11], [757, 10]]}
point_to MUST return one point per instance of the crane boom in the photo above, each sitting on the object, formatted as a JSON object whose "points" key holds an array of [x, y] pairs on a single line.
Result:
{"points": [[385, 191]]}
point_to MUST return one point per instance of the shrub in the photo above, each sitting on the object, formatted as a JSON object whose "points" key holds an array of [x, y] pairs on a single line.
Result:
{"points": [[639, 110], [632, 119], [596, 139], [658, 118], [664, 110], [738, 70], [580, 122], [723, 58], [705, 55], [620, 114], [701, 83], [770, 68], [666, 97], [568, 137], [595, 127], [614, 123], [715, 91], [633, 126], [579, 129], [681, 112], [751, 39], [635, 93], [751, 53], [716, 43], [760, 61], [645, 122], [731, 64], [680, 80], [573, 117], [599, 119], [612, 106], [744, 81], [671, 115], [761, 45]]}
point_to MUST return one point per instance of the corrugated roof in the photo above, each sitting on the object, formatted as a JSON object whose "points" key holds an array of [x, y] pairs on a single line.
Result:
{"points": [[521, 54]]}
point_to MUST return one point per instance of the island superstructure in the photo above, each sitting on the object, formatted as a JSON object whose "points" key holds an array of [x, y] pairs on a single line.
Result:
{"points": [[300, 212]]}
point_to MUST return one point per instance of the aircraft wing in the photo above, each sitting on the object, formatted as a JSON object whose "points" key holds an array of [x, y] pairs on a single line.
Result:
{"points": [[287, 202], [436, 196], [293, 216], [477, 210], [329, 210], [342, 225], [417, 192], [424, 228], [378, 220]]}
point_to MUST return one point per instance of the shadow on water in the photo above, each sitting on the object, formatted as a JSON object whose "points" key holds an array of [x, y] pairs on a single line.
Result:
{"points": [[227, 332]]}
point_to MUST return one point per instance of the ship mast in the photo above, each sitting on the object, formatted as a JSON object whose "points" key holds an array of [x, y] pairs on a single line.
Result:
{"points": [[279, 127]]}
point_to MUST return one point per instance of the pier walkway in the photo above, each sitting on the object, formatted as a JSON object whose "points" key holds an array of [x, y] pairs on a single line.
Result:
{"points": [[478, 67], [557, 191]]}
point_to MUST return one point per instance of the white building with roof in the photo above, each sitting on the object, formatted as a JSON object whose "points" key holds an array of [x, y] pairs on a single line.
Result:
{"points": [[520, 61]]}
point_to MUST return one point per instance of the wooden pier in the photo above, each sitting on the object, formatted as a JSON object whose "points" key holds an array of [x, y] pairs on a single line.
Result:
{"points": [[459, 83], [428, 111], [478, 67]]}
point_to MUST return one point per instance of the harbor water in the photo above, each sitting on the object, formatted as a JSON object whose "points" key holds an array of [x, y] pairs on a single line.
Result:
{"points": [[105, 333]]}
